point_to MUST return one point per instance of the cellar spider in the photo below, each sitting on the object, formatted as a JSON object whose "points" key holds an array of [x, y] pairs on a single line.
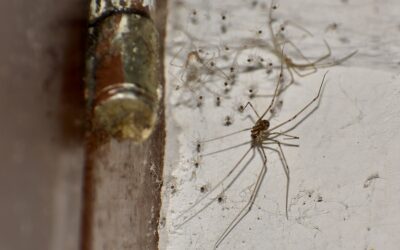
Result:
{"points": [[263, 137], [311, 66], [199, 69]]}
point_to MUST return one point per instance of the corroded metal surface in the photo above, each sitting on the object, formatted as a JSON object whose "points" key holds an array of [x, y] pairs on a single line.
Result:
{"points": [[123, 71], [125, 143]]}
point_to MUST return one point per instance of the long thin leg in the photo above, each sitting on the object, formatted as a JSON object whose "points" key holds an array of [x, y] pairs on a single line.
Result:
{"points": [[317, 63], [214, 188], [292, 81], [209, 89], [287, 135], [272, 141], [270, 29], [338, 61], [299, 73], [313, 63], [252, 107], [174, 58], [177, 79], [246, 209], [276, 92], [303, 109], [297, 26], [298, 51], [234, 133], [296, 66], [309, 64], [287, 173], [225, 149], [215, 69]]}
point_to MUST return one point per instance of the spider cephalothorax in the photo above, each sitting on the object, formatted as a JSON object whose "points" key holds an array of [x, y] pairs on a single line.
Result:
{"points": [[258, 132]]}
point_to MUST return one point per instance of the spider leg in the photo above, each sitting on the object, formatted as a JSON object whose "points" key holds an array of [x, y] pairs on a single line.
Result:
{"points": [[209, 89], [338, 61], [323, 57], [174, 58], [287, 173], [246, 209], [214, 68], [297, 66], [304, 108], [252, 107], [276, 92], [297, 26], [284, 134], [273, 141], [292, 81], [316, 61], [275, 44], [180, 79], [299, 73], [327, 55], [214, 188], [234, 133], [226, 149]]}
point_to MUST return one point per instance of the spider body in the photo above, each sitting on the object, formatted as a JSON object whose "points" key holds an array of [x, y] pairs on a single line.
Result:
{"points": [[259, 132]]}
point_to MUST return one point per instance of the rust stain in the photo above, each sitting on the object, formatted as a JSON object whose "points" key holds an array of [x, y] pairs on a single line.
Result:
{"points": [[136, 169], [109, 68]]}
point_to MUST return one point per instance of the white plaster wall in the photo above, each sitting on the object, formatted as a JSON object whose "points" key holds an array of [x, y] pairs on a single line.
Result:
{"points": [[345, 176]]}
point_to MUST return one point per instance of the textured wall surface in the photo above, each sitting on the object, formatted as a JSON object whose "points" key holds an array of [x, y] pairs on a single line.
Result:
{"points": [[344, 175]]}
